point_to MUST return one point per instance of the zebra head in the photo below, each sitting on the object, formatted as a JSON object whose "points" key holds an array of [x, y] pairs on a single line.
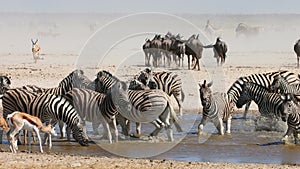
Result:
{"points": [[277, 83], [4, 84], [290, 104], [120, 97], [137, 85], [80, 135], [79, 80], [146, 77], [205, 93], [104, 81], [244, 95]]}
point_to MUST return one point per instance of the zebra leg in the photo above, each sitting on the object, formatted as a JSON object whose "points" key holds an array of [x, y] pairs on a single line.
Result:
{"points": [[298, 58], [246, 109], [62, 128], [158, 126], [68, 133], [95, 126], [219, 124], [113, 125], [295, 133], [107, 131], [170, 133], [201, 125], [138, 129], [289, 131], [179, 102], [228, 124]]}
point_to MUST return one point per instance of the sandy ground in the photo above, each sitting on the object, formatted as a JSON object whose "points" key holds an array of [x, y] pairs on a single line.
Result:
{"points": [[53, 160], [60, 58]]}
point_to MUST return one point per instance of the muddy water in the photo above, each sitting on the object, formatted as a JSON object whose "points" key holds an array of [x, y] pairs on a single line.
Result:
{"points": [[243, 145]]}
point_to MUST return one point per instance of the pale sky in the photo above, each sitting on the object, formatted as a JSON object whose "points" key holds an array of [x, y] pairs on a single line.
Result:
{"points": [[166, 6]]}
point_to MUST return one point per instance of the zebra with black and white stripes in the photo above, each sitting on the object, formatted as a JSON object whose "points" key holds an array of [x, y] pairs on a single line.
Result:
{"points": [[145, 106], [76, 79], [281, 85], [263, 79], [216, 108], [269, 103], [169, 82], [291, 106], [48, 107], [95, 107]]}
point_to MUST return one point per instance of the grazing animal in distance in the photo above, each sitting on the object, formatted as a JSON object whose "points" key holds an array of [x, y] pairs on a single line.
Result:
{"points": [[247, 30], [35, 50], [19, 120], [216, 108], [297, 51], [194, 48]]}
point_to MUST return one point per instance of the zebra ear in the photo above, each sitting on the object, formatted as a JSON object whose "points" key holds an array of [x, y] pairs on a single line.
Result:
{"points": [[282, 97]]}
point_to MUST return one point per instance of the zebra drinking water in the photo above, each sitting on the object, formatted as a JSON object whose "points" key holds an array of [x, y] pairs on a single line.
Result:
{"points": [[216, 108]]}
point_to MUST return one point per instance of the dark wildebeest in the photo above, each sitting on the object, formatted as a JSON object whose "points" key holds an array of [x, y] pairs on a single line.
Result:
{"points": [[194, 48], [246, 30], [297, 50], [220, 49], [156, 46], [147, 51]]}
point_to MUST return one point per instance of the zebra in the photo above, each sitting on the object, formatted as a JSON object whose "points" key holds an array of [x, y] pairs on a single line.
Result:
{"points": [[291, 107], [263, 79], [269, 103], [169, 82], [146, 106], [95, 107], [4, 84], [48, 107], [75, 79], [216, 108], [281, 84]]}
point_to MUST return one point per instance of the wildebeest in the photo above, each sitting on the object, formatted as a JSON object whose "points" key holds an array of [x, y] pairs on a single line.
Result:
{"points": [[194, 48], [220, 50], [247, 30], [297, 50], [147, 51]]}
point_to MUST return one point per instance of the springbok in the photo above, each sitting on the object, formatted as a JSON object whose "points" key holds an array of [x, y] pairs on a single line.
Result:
{"points": [[4, 125], [35, 50], [19, 120]]}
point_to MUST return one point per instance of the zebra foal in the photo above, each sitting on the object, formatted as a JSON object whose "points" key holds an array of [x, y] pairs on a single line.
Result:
{"points": [[216, 108]]}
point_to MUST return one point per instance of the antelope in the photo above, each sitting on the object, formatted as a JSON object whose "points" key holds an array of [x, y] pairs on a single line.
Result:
{"points": [[35, 50], [4, 125], [19, 120]]}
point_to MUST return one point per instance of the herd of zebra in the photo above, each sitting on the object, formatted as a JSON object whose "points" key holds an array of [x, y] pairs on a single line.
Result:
{"points": [[109, 101], [164, 48]]}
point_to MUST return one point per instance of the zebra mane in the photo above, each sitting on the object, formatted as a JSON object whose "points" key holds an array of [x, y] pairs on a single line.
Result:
{"points": [[107, 74]]}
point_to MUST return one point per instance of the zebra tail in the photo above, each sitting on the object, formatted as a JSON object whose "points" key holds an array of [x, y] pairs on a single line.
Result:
{"points": [[182, 96], [174, 116]]}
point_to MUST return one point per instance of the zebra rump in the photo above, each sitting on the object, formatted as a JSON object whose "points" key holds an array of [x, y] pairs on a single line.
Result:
{"points": [[49, 108]]}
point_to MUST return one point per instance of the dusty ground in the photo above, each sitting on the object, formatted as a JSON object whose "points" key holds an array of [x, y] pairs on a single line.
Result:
{"points": [[53, 160]]}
